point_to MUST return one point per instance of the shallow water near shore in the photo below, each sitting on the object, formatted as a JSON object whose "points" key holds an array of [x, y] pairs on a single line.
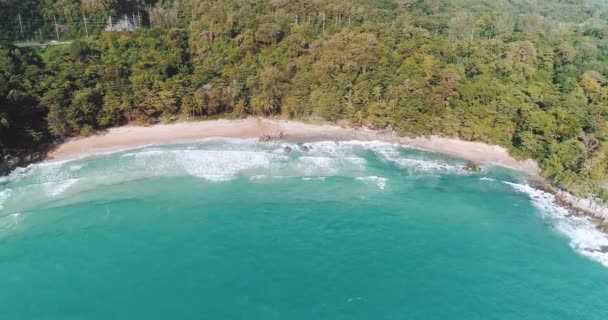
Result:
{"points": [[234, 229]]}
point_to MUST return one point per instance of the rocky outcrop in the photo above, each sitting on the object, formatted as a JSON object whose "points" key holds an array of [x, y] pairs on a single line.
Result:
{"points": [[473, 167], [603, 226], [588, 207], [12, 159], [303, 147]]}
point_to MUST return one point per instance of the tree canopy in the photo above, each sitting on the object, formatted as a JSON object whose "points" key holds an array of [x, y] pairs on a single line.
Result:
{"points": [[525, 74]]}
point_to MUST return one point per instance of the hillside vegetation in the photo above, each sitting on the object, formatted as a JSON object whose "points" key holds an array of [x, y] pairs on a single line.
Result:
{"points": [[527, 75]]}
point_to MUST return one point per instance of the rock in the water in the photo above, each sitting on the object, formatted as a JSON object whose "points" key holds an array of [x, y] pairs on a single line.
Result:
{"points": [[12, 161], [303, 147], [287, 149], [8, 164], [603, 227], [473, 167]]}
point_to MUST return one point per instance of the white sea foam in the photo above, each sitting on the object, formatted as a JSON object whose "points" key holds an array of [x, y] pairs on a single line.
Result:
{"points": [[584, 237], [379, 181], [391, 153], [487, 179], [211, 159], [16, 174], [55, 189], [328, 154], [329, 149], [77, 167], [4, 195], [327, 166], [258, 177], [355, 161], [428, 166], [145, 153], [222, 165], [10, 221], [314, 149], [313, 178], [310, 164]]}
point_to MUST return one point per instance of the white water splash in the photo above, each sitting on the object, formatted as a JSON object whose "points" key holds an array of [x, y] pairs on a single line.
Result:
{"points": [[214, 160], [57, 189], [222, 165], [391, 153], [378, 181], [584, 237], [10, 221], [313, 178], [4, 195]]}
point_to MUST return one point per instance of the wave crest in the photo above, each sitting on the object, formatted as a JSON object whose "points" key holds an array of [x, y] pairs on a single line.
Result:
{"points": [[215, 160], [378, 181], [583, 235]]}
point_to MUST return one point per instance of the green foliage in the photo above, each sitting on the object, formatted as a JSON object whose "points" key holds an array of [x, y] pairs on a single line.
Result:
{"points": [[22, 123], [528, 75], [79, 49]]}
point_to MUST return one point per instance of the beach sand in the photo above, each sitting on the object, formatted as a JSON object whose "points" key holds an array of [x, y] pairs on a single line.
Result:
{"points": [[127, 137]]}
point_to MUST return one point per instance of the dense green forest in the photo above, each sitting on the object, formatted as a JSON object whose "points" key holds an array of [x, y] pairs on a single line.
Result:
{"points": [[525, 74]]}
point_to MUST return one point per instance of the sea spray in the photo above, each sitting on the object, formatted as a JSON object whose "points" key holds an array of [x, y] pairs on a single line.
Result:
{"points": [[583, 234]]}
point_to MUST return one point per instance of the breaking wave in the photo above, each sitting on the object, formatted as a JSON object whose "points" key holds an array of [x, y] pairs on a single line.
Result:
{"points": [[10, 221], [420, 163], [222, 160], [378, 181], [216, 160], [583, 235]]}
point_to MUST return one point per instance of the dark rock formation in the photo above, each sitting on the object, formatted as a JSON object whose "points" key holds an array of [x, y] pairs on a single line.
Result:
{"points": [[11, 159], [472, 167], [603, 226], [303, 147]]}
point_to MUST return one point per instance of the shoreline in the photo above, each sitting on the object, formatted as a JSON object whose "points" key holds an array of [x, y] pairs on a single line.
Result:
{"points": [[132, 137]]}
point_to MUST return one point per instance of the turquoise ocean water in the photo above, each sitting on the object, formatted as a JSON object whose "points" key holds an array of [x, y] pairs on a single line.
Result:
{"points": [[233, 229]]}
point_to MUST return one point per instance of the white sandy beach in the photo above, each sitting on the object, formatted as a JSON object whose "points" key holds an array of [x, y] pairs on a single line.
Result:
{"points": [[128, 137], [136, 136]]}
